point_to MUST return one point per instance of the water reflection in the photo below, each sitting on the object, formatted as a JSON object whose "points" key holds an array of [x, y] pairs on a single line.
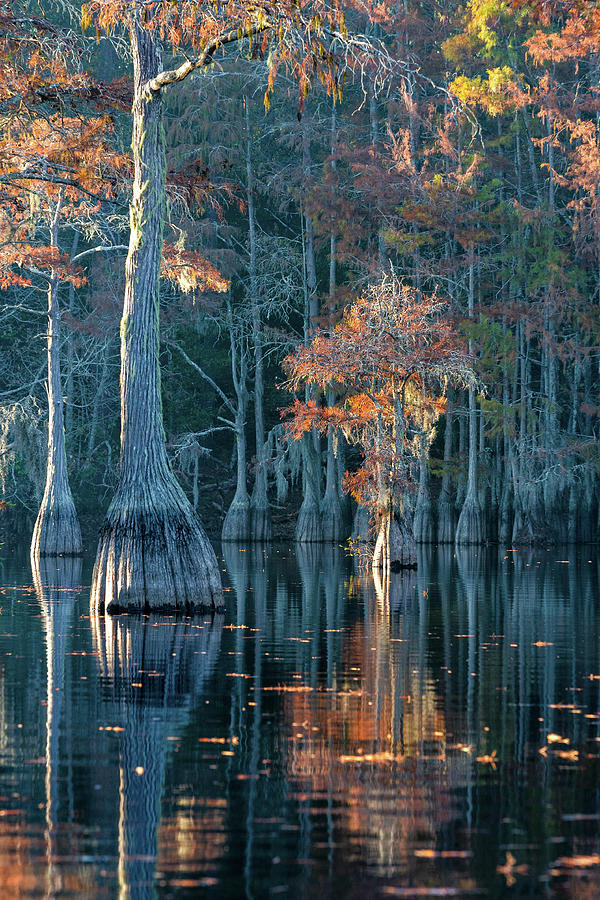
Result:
{"points": [[334, 734], [153, 672], [56, 581]]}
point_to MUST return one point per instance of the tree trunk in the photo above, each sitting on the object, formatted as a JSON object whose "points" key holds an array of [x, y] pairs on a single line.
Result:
{"points": [[395, 548], [362, 525], [332, 516], [153, 552], [445, 519], [423, 525], [260, 515], [308, 525], [56, 531], [470, 525], [236, 526], [97, 405]]}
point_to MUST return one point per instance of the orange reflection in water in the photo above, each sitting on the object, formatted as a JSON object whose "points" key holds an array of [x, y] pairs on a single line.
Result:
{"points": [[373, 742]]}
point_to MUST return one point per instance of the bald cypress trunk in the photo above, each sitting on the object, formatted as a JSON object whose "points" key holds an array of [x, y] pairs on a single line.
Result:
{"points": [[236, 526], [308, 525], [332, 517], [260, 514], [153, 552], [445, 518], [56, 531], [395, 547], [423, 523], [470, 525]]}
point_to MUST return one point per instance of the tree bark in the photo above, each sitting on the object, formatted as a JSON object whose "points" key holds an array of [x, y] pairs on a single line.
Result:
{"points": [[470, 525], [445, 519], [153, 552], [395, 547], [423, 525], [56, 531], [308, 525], [332, 518], [260, 515], [236, 526]]}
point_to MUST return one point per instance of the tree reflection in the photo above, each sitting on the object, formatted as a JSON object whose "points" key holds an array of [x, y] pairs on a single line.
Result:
{"points": [[56, 580], [152, 672]]}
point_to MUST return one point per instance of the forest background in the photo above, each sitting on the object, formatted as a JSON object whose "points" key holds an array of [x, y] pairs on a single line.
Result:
{"points": [[472, 171]]}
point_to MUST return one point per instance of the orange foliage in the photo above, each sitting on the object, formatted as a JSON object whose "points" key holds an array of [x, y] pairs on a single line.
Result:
{"points": [[190, 271], [388, 361]]}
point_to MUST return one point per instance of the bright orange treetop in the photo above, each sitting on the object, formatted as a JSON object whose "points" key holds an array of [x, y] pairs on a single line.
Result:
{"points": [[389, 362]]}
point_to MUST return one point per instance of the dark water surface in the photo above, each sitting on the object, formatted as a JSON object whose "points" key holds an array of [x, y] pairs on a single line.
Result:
{"points": [[325, 738]]}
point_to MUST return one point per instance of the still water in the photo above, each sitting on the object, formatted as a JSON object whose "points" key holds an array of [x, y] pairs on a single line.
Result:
{"points": [[328, 736]]}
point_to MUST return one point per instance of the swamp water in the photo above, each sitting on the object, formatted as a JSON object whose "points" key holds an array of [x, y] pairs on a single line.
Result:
{"points": [[325, 737]]}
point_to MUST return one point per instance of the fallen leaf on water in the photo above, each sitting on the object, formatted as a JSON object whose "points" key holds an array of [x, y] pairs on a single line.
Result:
{"points": [[577, 862], [290, 688], [370, 757], [573, 755], [488, 759], [509, 869]]}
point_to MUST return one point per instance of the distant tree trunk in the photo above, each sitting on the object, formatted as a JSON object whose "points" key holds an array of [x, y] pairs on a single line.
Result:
{"points": [[381, 249], [260, 515], [153, 552], [56, 531], [505, 465], [445, 518], [361, 525], [308, 525], [395, 546], [236, 526], [470, 526], [575, 498], [332, 517], [69, 384], [423, 525], [528, 518], [97, 405]]}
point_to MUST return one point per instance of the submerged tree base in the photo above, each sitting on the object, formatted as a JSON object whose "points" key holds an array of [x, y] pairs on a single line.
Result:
{"points": [[236, 526], [260, 523], [395, 548], [470, 528], [333, 524], [308, 524], [56, 531], [158, 560]]}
